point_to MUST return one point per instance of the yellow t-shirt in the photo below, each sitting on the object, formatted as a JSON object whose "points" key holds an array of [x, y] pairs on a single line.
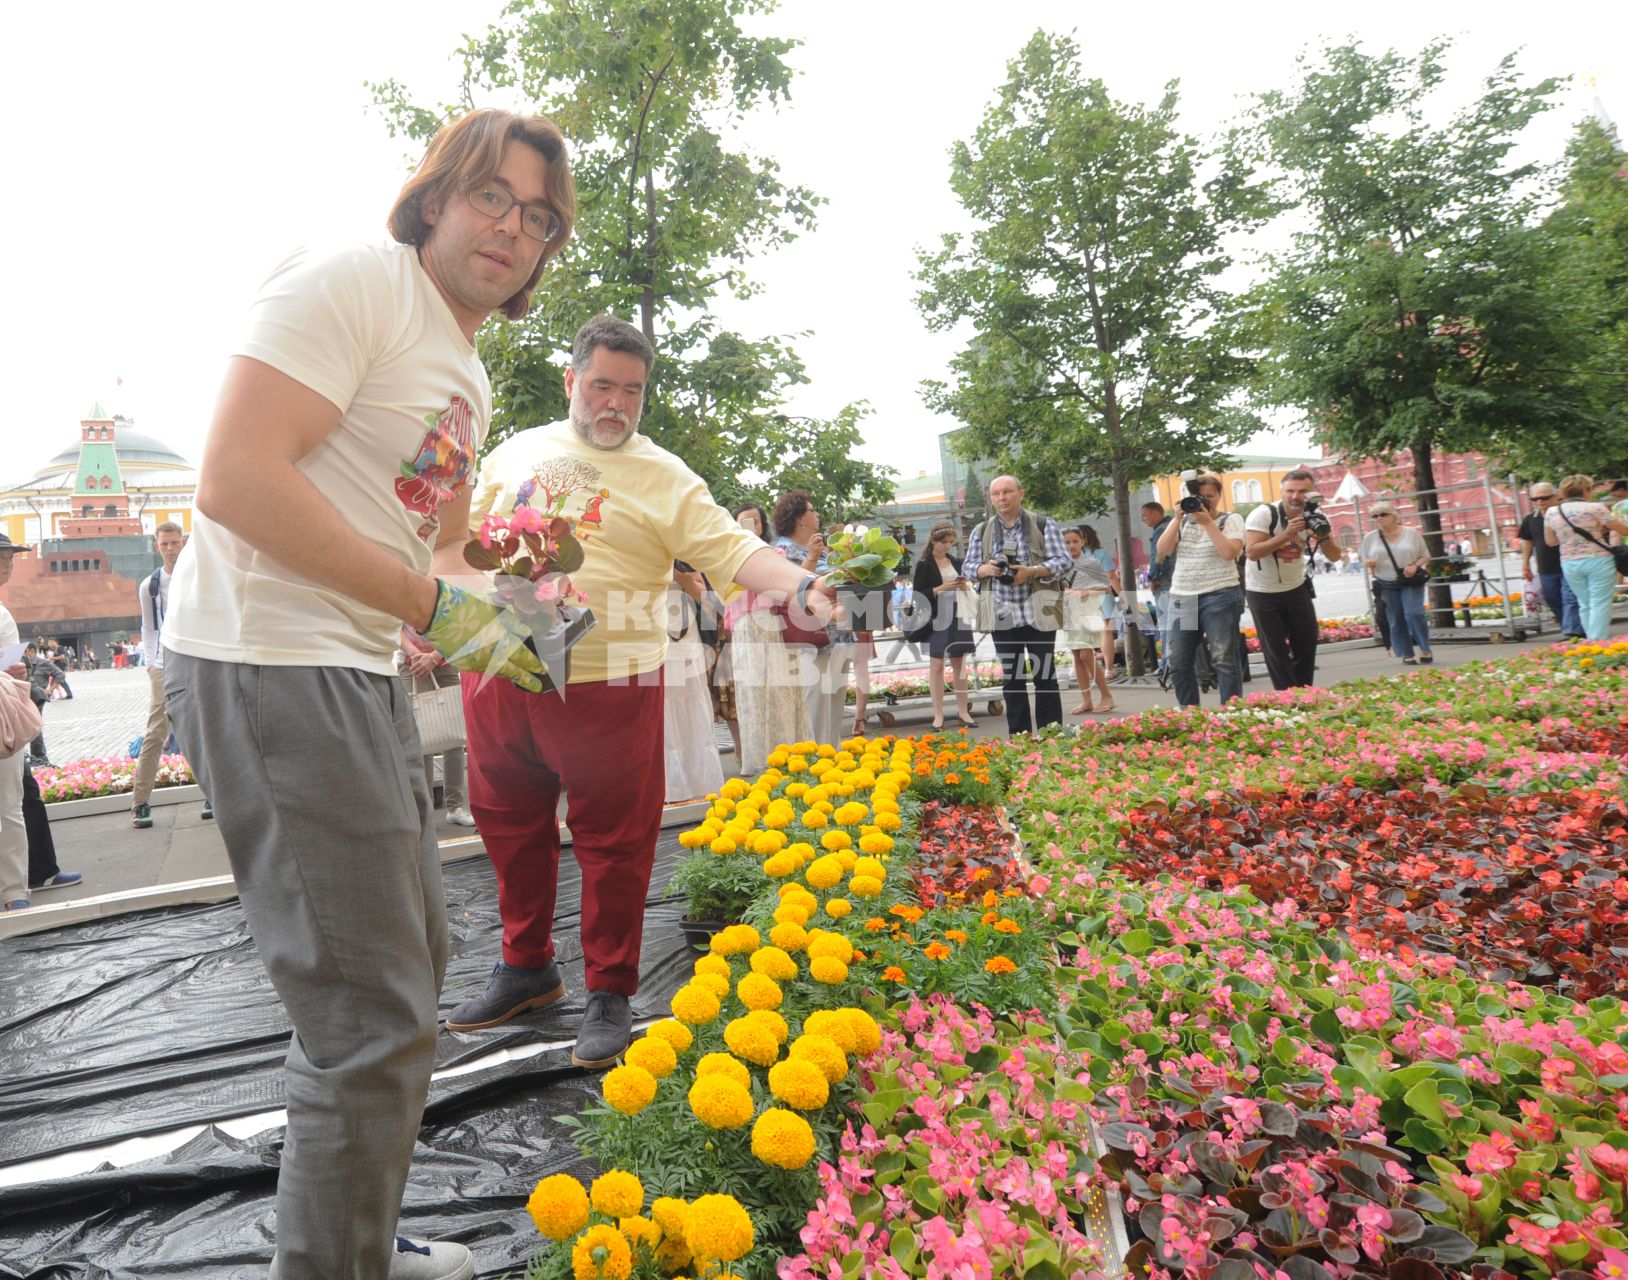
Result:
{"points": [[638, 508]]}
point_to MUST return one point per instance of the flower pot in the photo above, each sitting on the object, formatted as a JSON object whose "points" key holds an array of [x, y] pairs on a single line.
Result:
{"points": [[554, 646], [698, 933], [866, 606]]}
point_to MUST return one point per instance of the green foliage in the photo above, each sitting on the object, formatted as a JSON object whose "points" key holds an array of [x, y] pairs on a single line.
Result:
{"points": [[1421, 306], [669, 215], [719, 886], [1099, 357], [868, 559]]}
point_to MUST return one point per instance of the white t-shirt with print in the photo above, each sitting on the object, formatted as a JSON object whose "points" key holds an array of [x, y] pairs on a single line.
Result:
{"points": [[1199, 566], [637, 508], [1283, 571], [365, 328]]}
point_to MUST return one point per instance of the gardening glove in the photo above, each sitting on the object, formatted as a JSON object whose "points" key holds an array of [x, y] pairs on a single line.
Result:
{"points": [[473, 634]]}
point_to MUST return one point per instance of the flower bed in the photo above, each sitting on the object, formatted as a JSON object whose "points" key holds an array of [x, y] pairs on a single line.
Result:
{"points": [[109, 776], [1329, 631], [1267, 958], [892, 685]]}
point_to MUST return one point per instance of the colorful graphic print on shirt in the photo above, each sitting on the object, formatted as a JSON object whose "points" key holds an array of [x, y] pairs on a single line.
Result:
{"points": [[443, 464], [554, 482]]}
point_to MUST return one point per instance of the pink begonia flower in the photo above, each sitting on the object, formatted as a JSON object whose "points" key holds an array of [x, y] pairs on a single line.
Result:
{"points": [[492, 528], [1613, 1265], [1494, 1155], [1587, 1186], [546, 591], [525, 520], [1610, 1161], [1468, 1184]]}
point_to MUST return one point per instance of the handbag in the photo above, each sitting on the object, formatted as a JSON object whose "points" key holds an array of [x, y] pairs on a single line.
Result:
{"points": [[439, 714], [20, 721], [792, 633], [1619, 555]]}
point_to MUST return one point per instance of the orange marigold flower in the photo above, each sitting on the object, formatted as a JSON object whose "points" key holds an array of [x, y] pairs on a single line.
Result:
{"points": [[999, 964], [937, 951], [893, 974], [991, 897], [876, 924], [955, 935], [912, 914], [982, 873], [952, 779], [989, 917], [1004, 925]]}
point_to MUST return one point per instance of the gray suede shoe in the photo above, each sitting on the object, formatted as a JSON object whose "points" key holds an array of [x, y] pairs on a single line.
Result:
{"points": [[607, 1026], [509, 992]]}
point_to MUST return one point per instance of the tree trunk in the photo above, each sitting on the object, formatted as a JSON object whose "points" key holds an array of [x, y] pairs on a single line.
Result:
{"points": [[647, 299], [1127, 568], [1427, 503]]}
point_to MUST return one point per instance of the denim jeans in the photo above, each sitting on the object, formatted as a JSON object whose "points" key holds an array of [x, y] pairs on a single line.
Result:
{"points": [[1213, 617], [1593, 578], [1161, 619], [1405, 603], [1562, 602]]}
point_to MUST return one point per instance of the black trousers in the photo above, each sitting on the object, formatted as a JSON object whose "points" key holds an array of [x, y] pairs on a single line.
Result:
{"points": [[1286, 623], [42, 850], [1011, 643]]}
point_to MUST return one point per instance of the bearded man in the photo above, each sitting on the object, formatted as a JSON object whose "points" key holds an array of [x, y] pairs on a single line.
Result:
{"points": [[636, 509]]}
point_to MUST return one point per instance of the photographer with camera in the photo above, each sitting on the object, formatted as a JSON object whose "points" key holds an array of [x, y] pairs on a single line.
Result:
{"points": [[1021, 561], [1206, 600], [1280, 539]]}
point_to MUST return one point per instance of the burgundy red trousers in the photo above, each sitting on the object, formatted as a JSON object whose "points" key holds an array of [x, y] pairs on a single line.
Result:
{"points": [[602, 744]]}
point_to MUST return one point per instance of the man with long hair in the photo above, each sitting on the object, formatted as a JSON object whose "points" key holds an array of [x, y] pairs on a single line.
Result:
{"points": [[342, 452]]}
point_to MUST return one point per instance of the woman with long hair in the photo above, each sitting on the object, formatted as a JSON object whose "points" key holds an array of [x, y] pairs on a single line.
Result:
{"points": [[1089, 584], [939, 580]]}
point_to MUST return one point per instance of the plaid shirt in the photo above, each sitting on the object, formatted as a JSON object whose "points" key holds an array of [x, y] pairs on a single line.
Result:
{"points": [[1014, 605]]}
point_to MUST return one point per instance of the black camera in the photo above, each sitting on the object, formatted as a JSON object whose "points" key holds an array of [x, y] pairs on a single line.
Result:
{"points": [[1003, 562], [1316, 522], [1191, 502]]}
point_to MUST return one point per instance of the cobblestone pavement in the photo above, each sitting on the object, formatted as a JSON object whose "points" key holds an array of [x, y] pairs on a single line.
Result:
{"points": [[108, 709]]}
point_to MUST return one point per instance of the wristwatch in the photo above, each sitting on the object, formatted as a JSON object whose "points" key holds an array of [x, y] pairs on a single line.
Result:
{"points": [[800, 596]]}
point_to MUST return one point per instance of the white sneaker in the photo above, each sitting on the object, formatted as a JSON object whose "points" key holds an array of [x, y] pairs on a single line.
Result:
{"points": [[412, 1260], [460, 817]]}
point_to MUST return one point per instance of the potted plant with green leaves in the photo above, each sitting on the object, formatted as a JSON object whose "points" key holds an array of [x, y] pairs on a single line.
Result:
{"points": [[863, 562]]}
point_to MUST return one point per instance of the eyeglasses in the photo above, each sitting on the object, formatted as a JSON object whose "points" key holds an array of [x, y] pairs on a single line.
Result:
{"points": [[1384, 515], [538, 221]]}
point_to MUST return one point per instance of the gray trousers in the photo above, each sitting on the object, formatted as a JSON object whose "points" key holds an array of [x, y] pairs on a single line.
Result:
{"points": [[318, 790]]}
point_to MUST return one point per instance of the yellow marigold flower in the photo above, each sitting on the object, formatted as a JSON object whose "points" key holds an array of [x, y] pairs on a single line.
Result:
{"points": [[766, 843], [813, 819], [673, 1032], [824, 1052], [711, 982], [778, 757], [643, 1234], [724, 1064], [791, 912], [720, 1103], [833, 1023], [771, 1022], [632, 1087], [601, 1253], [669, 1213], [852, 814], [846, 858], [828, 969], [869, 866], [783, 1139], [717, 1227], [789, 935], [888, 821], [865, 886], [867, 1035], [617, 1194], [759, 992], [999, 964], [800, 1083], [796, 790], [654, 1054], [695, 1005], [825, 750], [673, 1255], [780, 866], [559, 1206], [802, 851], [714, 964], [690, 839], [723, 844], [826, 943], [838, 907], [820, 768], [776, 819], [751, 1041], [734, 789], [876, 842], [835, 840], [797, 764], [774, 963], [823, 873]]}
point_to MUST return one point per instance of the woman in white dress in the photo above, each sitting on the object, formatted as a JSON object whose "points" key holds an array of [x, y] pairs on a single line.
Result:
{"points": [[693, 767], [1088, 590]]}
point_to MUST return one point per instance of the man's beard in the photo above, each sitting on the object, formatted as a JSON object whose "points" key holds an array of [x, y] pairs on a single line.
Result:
{"points": [[592, 434]]}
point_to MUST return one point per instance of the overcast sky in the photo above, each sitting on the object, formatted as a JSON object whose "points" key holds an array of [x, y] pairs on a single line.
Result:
{"points": [[164, 155]]}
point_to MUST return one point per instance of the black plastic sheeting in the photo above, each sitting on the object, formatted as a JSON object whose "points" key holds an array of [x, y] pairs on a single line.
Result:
{"points": [[162, 1019]]}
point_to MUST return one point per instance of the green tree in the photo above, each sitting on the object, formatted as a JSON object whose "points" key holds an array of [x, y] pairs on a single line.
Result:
{"points": [[1098, 357], [1416, 306], [669, 214]]}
